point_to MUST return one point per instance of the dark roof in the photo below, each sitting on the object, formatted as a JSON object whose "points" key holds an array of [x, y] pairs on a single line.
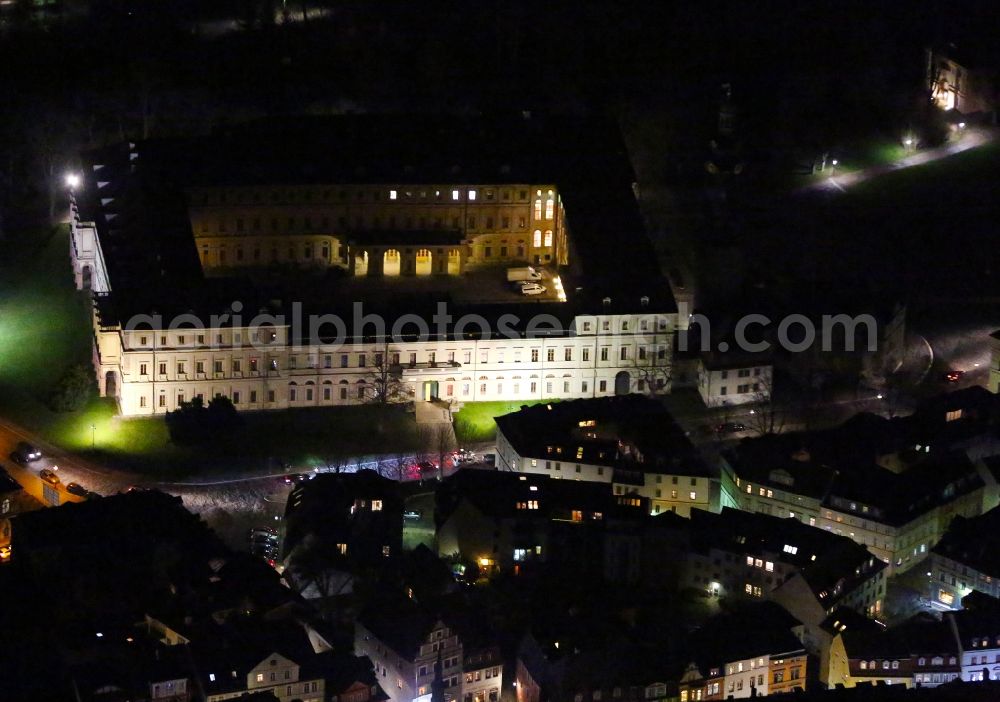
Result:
{"points": [[8, 484], [973, 542], [401, 624], [145, 233], [831, 565], [727, 637], [842, 466], [633, 433], [921, 634], [497, 494]]}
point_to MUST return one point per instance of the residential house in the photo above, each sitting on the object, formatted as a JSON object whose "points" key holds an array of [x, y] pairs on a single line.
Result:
{"points": [[630, 442], [415, 652], [356, 517], [967, 558], [734, 379], [508, 521], [730, 662]]}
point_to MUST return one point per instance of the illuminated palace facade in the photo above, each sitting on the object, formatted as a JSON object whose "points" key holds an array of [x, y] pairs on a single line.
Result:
{"points": [[329, 229], [396, 229]]}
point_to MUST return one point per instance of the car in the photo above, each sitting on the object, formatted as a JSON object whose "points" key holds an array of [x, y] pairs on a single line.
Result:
{"points": [[427, 467], [48, 476], [26, 453], [730, 428], [412, 514], [532, 289], [953, 376], [91, 495], [77, 489], [264, 544], [135, 488]]}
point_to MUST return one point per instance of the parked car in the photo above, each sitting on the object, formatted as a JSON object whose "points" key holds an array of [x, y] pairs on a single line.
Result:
{"points": [[48, 476], [532, 289], [264, 544], [730, 428], [523, 273], [427, 467], [77, 489], [953, 376], [412, 514]]}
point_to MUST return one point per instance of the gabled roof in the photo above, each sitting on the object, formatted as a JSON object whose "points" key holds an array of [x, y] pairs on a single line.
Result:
{"points": [[757, 629], [973, 542], [630, 432], [497, 494]]}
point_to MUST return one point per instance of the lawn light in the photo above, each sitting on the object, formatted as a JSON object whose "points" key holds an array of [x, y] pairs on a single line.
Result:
{"points": [[72, 181]]}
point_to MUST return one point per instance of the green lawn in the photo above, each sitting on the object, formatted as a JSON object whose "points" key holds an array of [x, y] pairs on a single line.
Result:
{"points": [[45, 327], [474, 422]]}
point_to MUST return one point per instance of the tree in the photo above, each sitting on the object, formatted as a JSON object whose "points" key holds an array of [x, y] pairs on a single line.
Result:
{"points": [[395, 468], [767, 415], [386, 380], [439, 441], [655, 380], [193, 422], [72, 390]]}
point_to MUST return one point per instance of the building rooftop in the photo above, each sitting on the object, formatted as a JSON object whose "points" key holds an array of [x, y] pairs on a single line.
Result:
{"points": [[831, 565], [498, 494], [631, 433], [725, 637], [137, 193], [887, 470], [973, 542]]}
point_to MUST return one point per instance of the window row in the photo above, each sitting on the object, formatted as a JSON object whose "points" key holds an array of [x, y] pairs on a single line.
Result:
{"points": [[361, 194]]}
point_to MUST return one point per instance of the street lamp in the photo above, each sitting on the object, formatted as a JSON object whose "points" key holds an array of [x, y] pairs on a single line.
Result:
{"points": [[72, 181]]}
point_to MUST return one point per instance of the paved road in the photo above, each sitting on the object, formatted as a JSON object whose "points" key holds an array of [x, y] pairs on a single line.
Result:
{"points": [[970, 139]]}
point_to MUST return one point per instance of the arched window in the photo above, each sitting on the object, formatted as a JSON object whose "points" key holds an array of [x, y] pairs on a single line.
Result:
{"points": [[550, 207], [537, 238], [864, 665]]}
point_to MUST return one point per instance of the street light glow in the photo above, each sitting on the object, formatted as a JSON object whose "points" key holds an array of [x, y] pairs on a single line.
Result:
{"points": [[834, 162], [72, 180]]}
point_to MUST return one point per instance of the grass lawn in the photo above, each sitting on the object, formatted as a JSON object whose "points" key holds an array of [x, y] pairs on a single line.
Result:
{"points": [[474, 422], [45, 328]]}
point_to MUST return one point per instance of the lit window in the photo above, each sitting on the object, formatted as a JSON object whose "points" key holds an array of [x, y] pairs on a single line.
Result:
{"points": [[392, 194], [769, 567], [472, 195], [693, 495], [376, 505], [342, 549], [260, 677], [455, 194], [790, 549]]}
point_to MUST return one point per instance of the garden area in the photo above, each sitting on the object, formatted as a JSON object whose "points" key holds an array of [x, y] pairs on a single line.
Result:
{"points": [[45, 330]]}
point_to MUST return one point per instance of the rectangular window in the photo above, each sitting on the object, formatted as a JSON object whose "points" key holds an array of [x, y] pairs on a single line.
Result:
{"points": [[605, 350], [586, 354], [603, 386]]}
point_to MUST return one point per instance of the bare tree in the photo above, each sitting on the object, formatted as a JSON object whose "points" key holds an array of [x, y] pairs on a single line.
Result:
{"points": [[386, 380], [438, 440], [767, 415], [395, 467]]}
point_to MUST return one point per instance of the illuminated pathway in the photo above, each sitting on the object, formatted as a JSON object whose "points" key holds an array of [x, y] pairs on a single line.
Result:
{"points": [[971, 139]]}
